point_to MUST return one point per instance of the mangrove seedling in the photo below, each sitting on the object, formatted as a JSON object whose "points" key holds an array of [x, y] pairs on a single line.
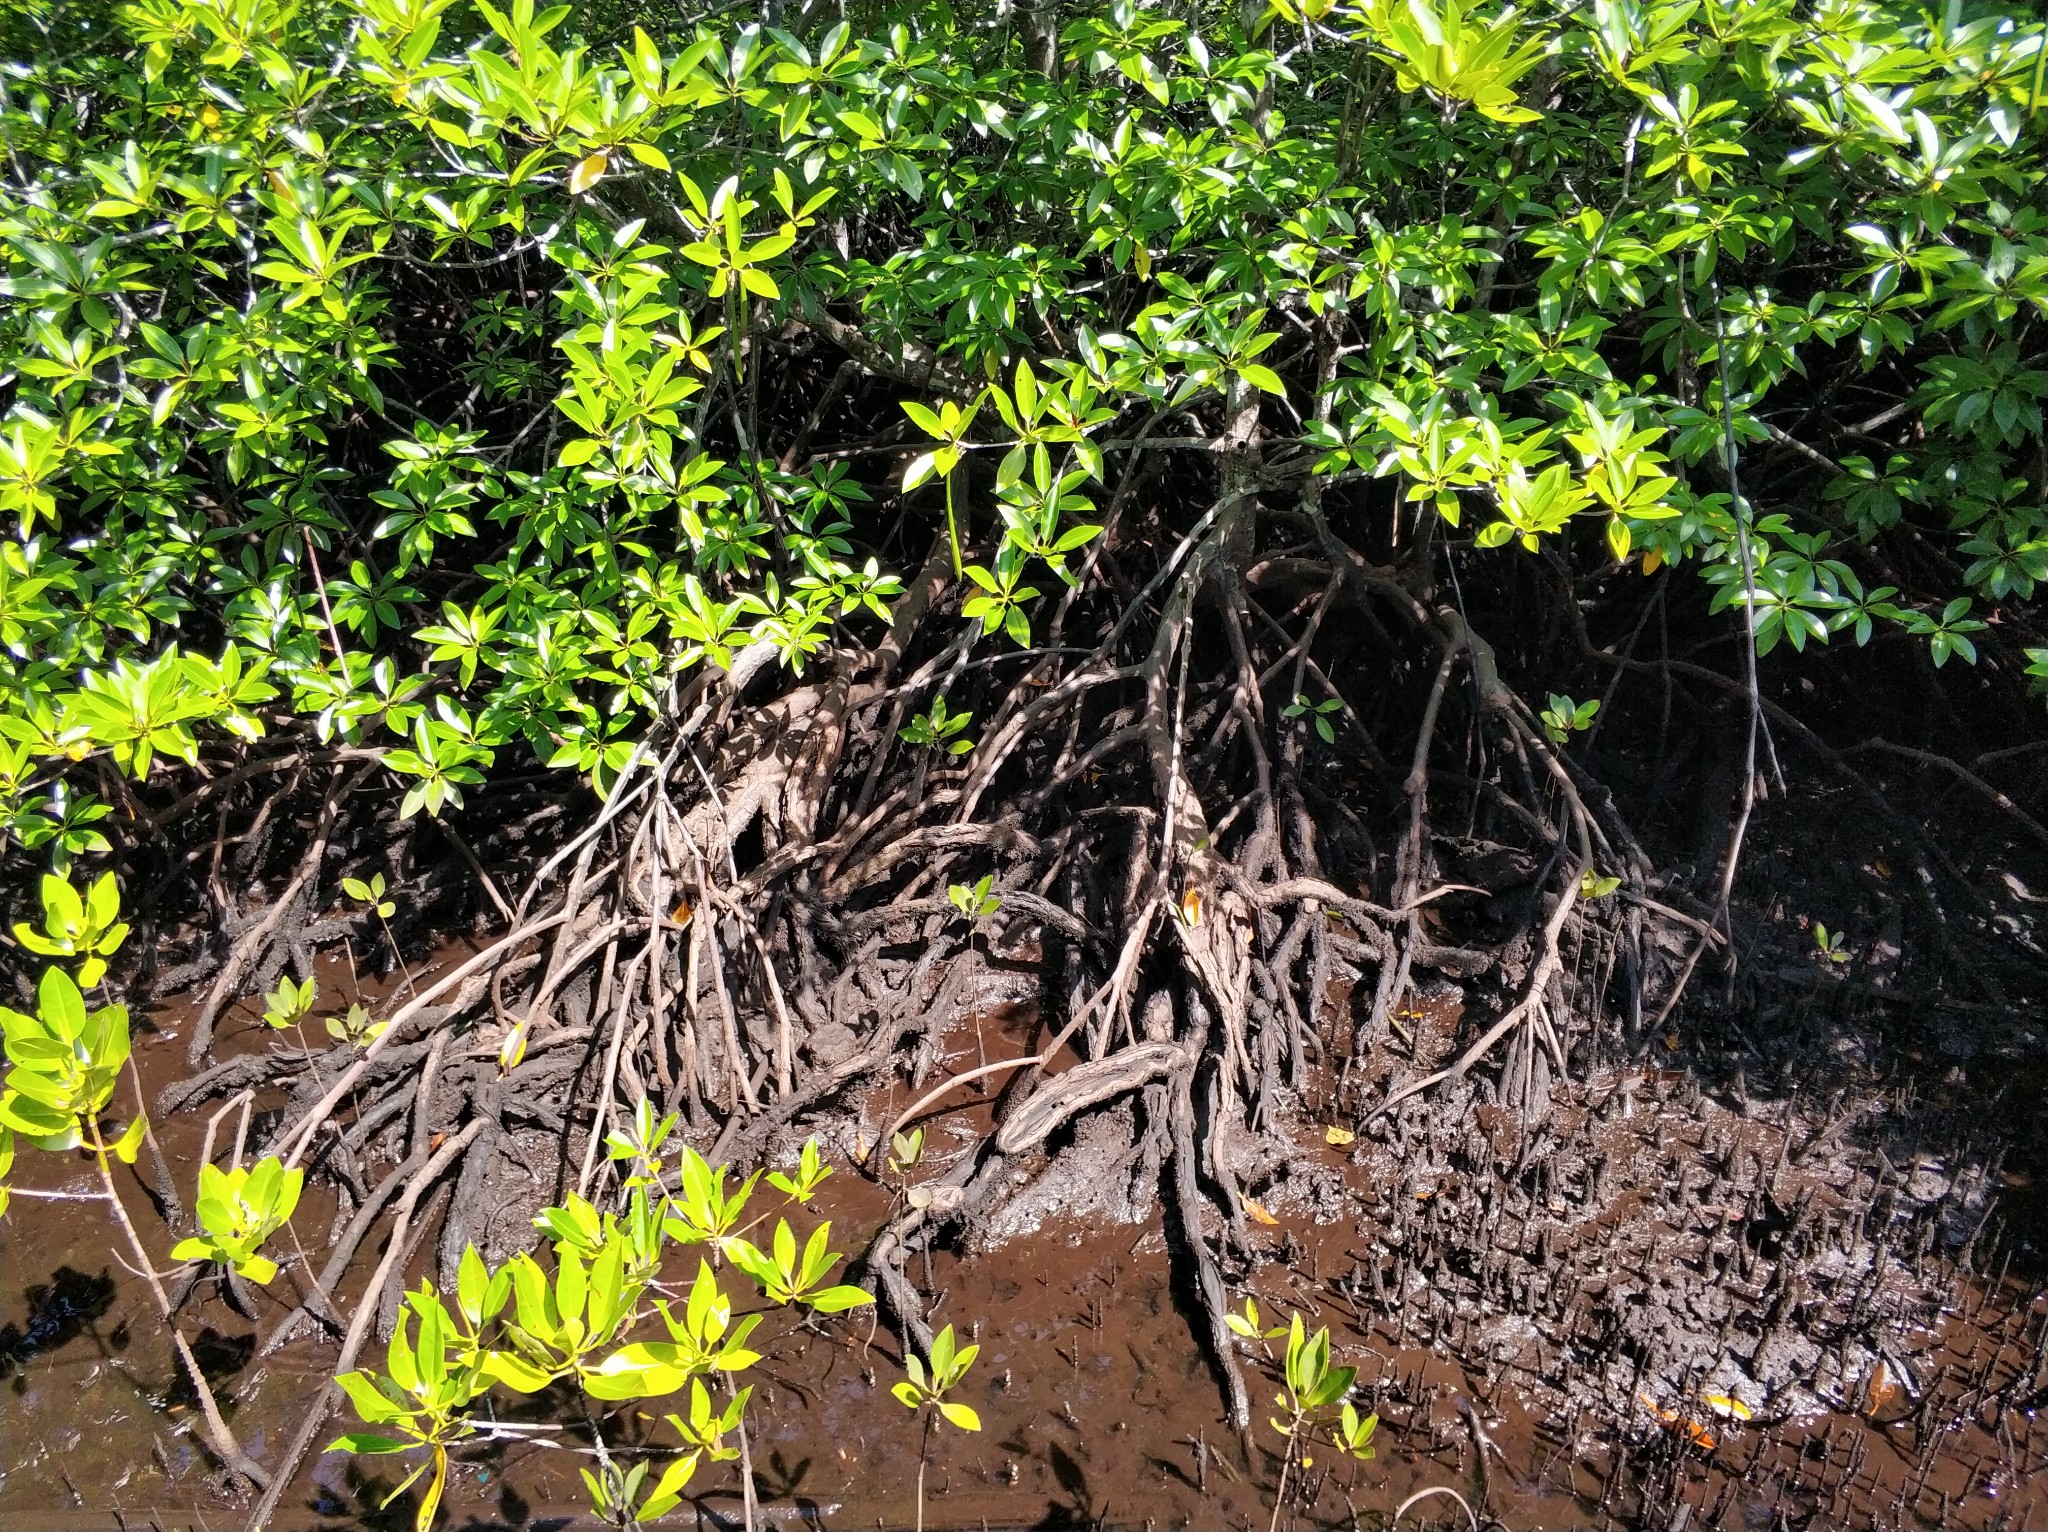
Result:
{"points": [[948, 426], [924, 1392], [935, 729], [702, 1213], [238, 1210], [372, 894], [1317, 713], [1247, 1325], [1314, 1402], [356, 1028], [1564, 717], [289, 1005], [63, 1063], [905, 1150], [811, 1171], [974, 900], [422, 1398], [786, 1279], [641, 1141], [89, 928]]}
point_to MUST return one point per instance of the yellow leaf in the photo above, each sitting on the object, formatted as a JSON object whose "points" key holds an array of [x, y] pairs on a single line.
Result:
{"points": [[1337, 1138], [130, 1142], [1727, 1405], [1258, 1212], [1652, 561], [586, 173], [1191, 907]]}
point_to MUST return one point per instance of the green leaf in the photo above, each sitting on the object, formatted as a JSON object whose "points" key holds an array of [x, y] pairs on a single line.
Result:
{"points": [[837, 1300], [129, 1144], [365, 1444], [1263, 378]]}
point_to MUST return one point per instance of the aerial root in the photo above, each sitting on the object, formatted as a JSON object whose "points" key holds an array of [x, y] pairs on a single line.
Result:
{"points": [[756, 949]]}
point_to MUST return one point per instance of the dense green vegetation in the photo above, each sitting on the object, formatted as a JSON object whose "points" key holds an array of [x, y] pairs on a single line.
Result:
{"points": [[437, 388], [411, 373]]}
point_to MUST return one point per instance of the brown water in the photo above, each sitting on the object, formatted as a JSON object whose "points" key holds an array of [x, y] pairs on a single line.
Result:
{"points": [[1099, 1406]]}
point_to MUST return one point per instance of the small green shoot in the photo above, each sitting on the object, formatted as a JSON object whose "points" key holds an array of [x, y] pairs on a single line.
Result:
{"points": [[702, 1212], [905, 1150], [613, 1490], [705, 1430], [641, 1142], [1594, 886], [923, 1393], [811, 1171], [1247, 1324], [975, 901], [927, 1386], [1829, 943], [421, 1398], [1318, 713], [87, 928], [1564, 717], [289, 1004], [1315, 1402], [372, 894], [65, 1061], [356, 1028], [936, 728], [238, 1210], [949, 428], [786, 1279]]}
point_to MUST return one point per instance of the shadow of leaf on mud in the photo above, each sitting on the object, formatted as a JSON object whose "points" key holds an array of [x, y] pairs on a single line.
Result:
{"points": [[59, 1311]]}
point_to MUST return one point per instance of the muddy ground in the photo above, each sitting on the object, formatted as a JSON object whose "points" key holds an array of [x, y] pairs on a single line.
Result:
{"points": [[1800, 1197]]}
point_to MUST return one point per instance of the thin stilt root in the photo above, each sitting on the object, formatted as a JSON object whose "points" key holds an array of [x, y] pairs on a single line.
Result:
{"points": [[754, 930]]}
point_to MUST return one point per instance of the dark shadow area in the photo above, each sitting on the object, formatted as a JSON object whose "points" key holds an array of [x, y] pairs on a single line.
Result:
{"points": [[59, 1311]]}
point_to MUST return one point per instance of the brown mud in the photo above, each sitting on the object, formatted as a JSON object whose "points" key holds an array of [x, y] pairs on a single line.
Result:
{"points": [[1551, 1322]]}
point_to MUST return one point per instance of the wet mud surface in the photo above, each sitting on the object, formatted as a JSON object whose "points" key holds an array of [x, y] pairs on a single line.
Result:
{"points": [[1563, 1324]]}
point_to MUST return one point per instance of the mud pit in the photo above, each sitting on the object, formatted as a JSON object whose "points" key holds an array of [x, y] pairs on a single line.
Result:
{"points": [[1540, 1317]]}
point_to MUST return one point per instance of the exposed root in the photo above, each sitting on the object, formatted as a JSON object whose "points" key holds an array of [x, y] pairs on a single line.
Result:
{"points": [[753, 930]]}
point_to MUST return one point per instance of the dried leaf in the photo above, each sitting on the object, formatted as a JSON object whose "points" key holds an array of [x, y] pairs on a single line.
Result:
{"points": [[1258, 1211], [1191, 907], [1337, 1138], [1701, 1436], [1727, 1406]]}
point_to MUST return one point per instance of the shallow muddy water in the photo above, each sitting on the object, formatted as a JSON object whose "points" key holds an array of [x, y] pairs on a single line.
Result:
{"points": [[1542, 1326]]}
